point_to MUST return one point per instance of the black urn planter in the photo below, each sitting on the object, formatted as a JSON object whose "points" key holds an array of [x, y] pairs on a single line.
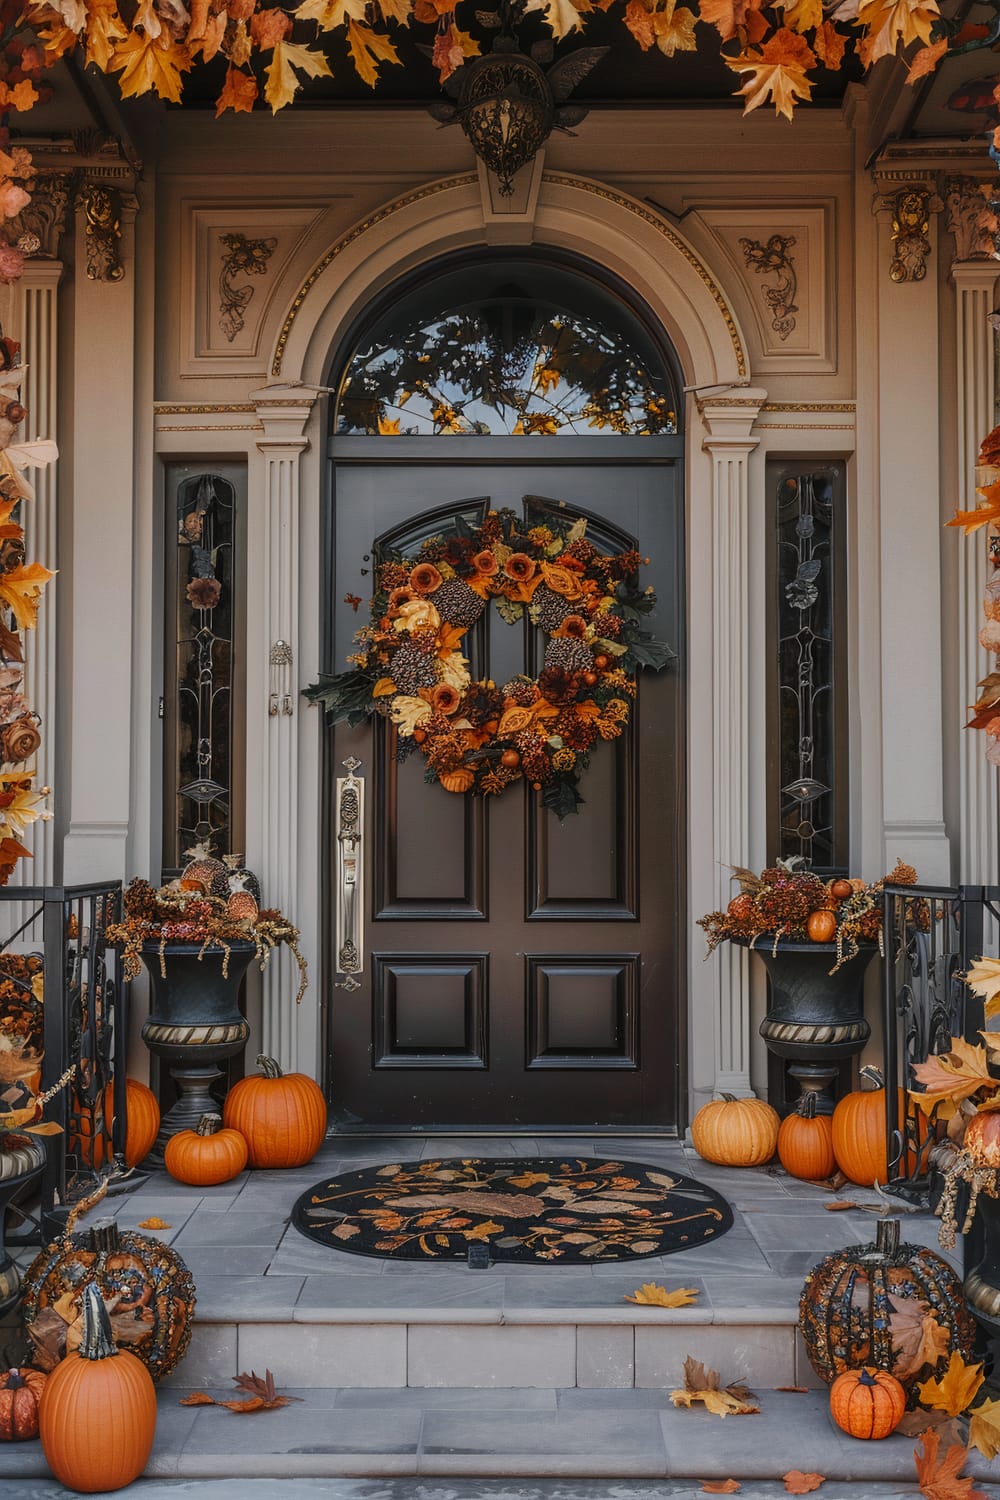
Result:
{"points": [[194, 1024], [815, 1018], [22, 1158], [982, 1280]]}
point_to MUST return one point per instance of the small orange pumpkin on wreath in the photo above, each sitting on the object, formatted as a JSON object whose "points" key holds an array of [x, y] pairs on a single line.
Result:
{"points": [[476, 736]]}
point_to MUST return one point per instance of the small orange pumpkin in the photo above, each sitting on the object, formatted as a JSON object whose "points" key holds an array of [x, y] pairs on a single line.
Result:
{"points": [[821, 926], [867, 1403], [143, 1114], [20, 1393], [841, 889], [735, 1132], [207, 1155], [97, 1416], [282, 1116], [859, 1132], [805, 1142]]}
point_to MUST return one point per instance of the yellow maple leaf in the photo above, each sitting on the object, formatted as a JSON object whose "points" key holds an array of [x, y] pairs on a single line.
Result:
{"points": [[956, 1389], [704, 1385], [19, 805], [983, 980], [408, 712], [282, 81], [368, 48], [563, 16], [330, 13], [651, 1295], [674, 29], [926, 60], [951, 1077], [146, 63], [777, 72], [984, 1428], [396, 10], [971, 520], [56, 37], [21, 590], [238, 93], [891, 23], [803, 15]]}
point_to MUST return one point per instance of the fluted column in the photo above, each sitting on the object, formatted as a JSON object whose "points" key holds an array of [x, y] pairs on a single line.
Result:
{"points": [[975, 287], [273, 705], [36, 325], [728, 421]]}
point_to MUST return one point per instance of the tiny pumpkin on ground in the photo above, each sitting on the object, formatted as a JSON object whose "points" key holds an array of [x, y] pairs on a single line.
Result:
{"points": [[867, 1403], [20, 1392]]}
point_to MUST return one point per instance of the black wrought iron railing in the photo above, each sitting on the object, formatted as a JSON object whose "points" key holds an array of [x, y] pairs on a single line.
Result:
{"points": [[931, 935], [76, 1018]]}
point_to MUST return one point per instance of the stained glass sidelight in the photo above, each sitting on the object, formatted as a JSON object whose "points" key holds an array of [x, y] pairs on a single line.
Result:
{"points": [[807, 739], [203, 611], [513, 349]]}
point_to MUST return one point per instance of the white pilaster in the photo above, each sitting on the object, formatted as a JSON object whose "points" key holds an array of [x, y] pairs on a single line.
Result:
{"points": [[273, 703], [913, 827], [975, 286], [36, 326], [729, 419]]}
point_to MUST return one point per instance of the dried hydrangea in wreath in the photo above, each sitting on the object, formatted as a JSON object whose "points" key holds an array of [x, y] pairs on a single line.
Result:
{"points": [[174, 915], [478, 736], [779, 901]]}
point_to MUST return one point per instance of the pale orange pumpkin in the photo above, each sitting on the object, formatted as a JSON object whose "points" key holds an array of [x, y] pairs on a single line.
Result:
{"points": [[20, 1393], [867, 1403], [821, 926], [97, 1415], [207, 1155], [282, 1116], [805, 1142], [143, 1114], [735, 1132]]}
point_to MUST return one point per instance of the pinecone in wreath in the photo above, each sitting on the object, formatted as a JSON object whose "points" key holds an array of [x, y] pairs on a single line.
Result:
{"points": [[457, 603], [569, 655], [412, 669], [551, 608]]}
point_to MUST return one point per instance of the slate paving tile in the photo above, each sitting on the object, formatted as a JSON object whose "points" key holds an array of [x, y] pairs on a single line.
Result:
{"points": [[225, 1298], [293, 1430], [451, 1398], [297, 1256], [570, 1433], [603, 1291], [206, 1260], [741, 1292], [233, 1228], [793, 1263], [777, 1232]]}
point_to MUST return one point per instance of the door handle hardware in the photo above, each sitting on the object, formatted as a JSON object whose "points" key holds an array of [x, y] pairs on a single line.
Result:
{"points": [[350, 822]]}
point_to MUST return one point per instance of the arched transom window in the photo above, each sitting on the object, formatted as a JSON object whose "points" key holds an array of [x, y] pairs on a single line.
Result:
{"points": [[506, 347]]}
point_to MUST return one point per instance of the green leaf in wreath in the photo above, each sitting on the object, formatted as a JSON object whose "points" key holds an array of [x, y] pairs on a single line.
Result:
{"points": [[562, 797], [651, 653]]}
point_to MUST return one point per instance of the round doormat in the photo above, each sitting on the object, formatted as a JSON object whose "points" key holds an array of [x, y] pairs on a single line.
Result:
{"points": [[560, 1208]]}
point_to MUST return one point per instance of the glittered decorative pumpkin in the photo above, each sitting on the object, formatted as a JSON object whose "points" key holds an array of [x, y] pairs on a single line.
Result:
{"points": [[845, 1312], [281, 1115], [805, 1142], [148, 1284], [859, 1133], [143, 1115], [867, 1403], [97, 1417], [205, 1156], [20, 1393], [735, 1132]]}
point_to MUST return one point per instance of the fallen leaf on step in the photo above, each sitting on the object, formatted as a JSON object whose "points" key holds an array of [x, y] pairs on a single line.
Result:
{"points": [[916, 1423], [198, 1398], [984, 1428], [720, 1486], [155, 1223], [797, 1483], [701, 1384], [941, 1479], [651, 1295], [262, 1394], [838, 1206], [957, 1388], [799, 1390], [256, 1403]]}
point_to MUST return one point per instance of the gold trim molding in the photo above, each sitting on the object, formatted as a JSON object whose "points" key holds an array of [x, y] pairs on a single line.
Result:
{"points": [[163, 409], [655, 221], [804, 427], [236, 427], [818, 406]]}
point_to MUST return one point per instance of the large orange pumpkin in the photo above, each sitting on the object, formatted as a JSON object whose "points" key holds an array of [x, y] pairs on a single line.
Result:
{"points": [[859, 1135], [735, 1132], [281, 1115], [20, 1393], [867, 1403], [97, 1417], [207, 1155], [805, 1142], [143, 1125]]}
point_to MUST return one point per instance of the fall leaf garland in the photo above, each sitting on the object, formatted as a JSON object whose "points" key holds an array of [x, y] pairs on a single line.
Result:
{"points": [[476, 735]]}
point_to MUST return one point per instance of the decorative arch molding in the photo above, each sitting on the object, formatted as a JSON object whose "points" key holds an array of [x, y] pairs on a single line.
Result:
{"points": [[596, 222]]}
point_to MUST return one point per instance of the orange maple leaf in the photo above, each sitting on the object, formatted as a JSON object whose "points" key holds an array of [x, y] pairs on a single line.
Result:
{"points": [[797, 1483], [941, 1479], [238, 93], [269, 27], [640, 22], [451, 48], [951, 1077], [777, 72], [829, 45], [21, 97], [956, 1390], [196, 1398], [56, 37], [145, 64], [926, 60], [368, 49], [720, 1486], [729, 17], [21, 590], [971, 520], [105, 27]]}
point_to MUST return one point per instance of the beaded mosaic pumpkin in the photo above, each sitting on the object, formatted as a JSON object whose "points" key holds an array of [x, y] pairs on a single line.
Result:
{"points": [[147, 1285], [850, 1299]]}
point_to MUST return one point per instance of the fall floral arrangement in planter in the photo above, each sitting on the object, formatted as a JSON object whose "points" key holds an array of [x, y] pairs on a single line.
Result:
{"points": [[478, 736], [785, 902], [187, 913]]}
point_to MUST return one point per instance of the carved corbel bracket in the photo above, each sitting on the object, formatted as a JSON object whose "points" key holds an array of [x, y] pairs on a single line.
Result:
{"points": [[101, 206], [910, 206], [973, 218]]}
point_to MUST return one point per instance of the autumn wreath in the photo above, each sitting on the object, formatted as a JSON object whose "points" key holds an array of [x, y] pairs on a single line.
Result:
{"points": [[474, 735]]}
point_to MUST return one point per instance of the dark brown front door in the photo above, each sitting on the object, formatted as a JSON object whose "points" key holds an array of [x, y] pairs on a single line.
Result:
{"points": [[518, 972]]}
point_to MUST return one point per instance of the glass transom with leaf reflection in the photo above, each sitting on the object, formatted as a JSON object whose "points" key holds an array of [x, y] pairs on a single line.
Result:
{"points": [[536, 351]]}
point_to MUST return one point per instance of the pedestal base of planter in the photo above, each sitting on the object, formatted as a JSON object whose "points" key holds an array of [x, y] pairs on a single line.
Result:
{"points": [[194, 1086], [818, 1079]]}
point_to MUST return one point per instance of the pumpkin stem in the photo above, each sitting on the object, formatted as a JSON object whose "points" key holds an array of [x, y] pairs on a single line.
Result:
{"points": [[14, 1380], [104, 1235], [887, 1237], [96, 1342], [270, 1069], [807, 1105], [871, 1075], [209, 1124], [868, 1376]]}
